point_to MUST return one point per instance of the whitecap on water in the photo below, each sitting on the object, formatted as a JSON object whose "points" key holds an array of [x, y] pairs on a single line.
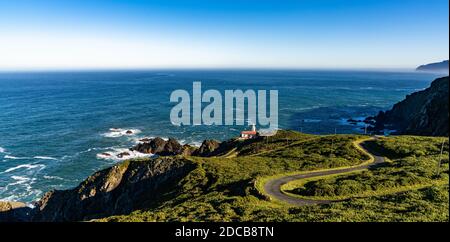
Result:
{"points": [[44, 158], [120, 154], [15, 158], [21, 187], [25, 166], [139, 140], [19, 180], [54, 177], [25, 158], [144, 139], [115, 132], [2, 150]]}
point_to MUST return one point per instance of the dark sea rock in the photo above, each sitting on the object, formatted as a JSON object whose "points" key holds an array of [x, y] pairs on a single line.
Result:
{"points": [[145, 140], [123, 154], [421, 113], [159, 146]]}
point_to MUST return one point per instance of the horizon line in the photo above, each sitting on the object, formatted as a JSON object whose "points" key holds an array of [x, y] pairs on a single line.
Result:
{"points": [[87, 69]]}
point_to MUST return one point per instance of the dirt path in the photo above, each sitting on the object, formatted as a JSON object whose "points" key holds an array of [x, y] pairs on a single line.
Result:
{"points": [[273, 187]]}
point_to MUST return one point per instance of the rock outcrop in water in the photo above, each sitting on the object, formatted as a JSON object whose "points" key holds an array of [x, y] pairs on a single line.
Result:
{"points": [[159, 146], [421, 113], [117, 190]]}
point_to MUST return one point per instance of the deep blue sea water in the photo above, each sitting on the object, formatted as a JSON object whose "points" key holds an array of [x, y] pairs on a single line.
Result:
{"points": [[53, 126]]}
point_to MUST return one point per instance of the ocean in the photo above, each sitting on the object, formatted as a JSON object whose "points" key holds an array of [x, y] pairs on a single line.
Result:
{"points": [[54, 126]]}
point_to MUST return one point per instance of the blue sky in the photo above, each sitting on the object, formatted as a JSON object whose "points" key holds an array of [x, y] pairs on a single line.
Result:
{"points": [[223, 34]]}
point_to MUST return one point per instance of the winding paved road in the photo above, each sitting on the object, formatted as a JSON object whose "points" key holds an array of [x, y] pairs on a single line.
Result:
{"points": [[273, 187]]}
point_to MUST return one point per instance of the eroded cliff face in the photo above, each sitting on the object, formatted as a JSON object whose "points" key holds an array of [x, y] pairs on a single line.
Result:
{"points": [[421, 113], [120, 189]]}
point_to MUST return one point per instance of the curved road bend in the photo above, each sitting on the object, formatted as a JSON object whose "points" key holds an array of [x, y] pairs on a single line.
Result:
{"points": [[273, 187]]}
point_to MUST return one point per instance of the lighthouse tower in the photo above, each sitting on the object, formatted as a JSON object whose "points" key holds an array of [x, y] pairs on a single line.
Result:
{"points": [[249, 134]]}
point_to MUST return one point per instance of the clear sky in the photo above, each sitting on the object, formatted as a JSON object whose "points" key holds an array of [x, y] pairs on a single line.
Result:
{"points": [[222, 34]]}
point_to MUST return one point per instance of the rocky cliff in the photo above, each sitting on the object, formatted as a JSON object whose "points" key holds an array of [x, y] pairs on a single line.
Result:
{"points": [[421, 113], [117, 190]]}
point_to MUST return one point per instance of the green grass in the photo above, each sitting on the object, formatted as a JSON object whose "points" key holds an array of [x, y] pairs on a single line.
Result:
{"points": [[408, 169], [225, 189], [321, 153]]}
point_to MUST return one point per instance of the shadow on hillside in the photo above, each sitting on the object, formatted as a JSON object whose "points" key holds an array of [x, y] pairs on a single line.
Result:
{"points": [[22, 214]]}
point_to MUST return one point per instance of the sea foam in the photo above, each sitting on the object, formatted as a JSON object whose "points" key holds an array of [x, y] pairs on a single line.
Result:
{"points": [[44, 158], [54, 177], [15, 158], [113, 154], [115, 132], [26, 166]]}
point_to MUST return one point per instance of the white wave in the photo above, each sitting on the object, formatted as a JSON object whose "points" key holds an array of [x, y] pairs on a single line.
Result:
{"points": [[139, 140], [115, 132], [87, 151], [54, 177], [2, 150], [19, 179], [15, 158], [19, 183], [126, 154], [26, 166], [44, 158]]}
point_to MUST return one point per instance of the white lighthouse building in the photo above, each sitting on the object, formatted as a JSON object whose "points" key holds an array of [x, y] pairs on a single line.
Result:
{"points": [[249, 134]]}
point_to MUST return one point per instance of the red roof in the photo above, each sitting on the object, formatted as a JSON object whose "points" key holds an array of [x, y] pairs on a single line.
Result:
{"points": [[249, 132]]}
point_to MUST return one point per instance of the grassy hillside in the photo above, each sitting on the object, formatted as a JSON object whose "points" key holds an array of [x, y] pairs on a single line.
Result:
{"points": [[223, 189], [414, 163]]}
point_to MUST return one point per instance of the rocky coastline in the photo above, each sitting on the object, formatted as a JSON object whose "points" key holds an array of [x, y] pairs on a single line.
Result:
{"points": [[423, 113], [120, 189]]}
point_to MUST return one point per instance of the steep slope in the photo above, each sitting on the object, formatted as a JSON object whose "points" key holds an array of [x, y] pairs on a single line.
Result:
{"points": [[116, 190], [421, 113]]}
